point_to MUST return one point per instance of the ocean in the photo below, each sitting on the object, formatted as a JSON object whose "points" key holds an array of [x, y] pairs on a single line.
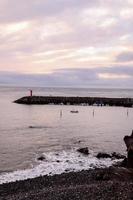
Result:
{"points": [[30, 131]]}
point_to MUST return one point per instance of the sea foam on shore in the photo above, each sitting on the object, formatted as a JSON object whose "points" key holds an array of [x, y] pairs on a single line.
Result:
{"points": [[57, 163]]}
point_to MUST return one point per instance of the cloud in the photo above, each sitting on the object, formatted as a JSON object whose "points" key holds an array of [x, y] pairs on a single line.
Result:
{"points": [[113, 76], [98, 77], [125, 57], [43, 37], [31, 9]]}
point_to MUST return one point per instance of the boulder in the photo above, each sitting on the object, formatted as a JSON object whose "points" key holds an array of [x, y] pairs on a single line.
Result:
{"points": [[128, 141], [129, 144], [124, 163], [118, 156], [130, 157], [31, 126], [58, 161], [41, 158], [84, 151], [103, 155], [114, 155]]}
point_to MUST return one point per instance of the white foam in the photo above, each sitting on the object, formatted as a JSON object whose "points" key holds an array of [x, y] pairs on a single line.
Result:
{"points": [[57, 163]]}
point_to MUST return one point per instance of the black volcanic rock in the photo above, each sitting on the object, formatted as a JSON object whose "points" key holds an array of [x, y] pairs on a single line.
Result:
{"points": [[129, 144], [117, 156], [84, 151], [41, 158], [114, 155], [103, 155], [124, 163]]}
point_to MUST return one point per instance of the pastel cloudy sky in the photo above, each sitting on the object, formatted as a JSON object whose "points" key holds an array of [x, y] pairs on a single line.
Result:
{"points": [[80, 43]]}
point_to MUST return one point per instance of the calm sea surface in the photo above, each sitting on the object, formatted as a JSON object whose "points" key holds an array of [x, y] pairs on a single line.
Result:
{"points": [[55, 135]]}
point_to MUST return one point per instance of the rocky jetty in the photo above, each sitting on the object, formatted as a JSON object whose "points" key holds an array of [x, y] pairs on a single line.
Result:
{"points": [[60, 100]]}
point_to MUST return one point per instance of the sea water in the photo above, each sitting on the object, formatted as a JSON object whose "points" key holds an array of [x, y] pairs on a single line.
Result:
{"points": [[52, 131]]}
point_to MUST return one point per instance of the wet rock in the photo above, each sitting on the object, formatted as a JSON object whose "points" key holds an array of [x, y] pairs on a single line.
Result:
{"points": [[114, 155], [31, 126], [124, 163], [130, 157], [103, 155], [41, 158], [128, 141], [84, 151], [118, 156], [67, 170], [129, 144], [58, 161]]}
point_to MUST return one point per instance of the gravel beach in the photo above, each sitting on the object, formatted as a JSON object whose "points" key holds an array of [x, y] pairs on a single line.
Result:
{"points": [[109, 183]]}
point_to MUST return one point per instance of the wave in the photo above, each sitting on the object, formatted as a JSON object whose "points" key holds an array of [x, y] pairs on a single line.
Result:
{"points": [[57, 163]]}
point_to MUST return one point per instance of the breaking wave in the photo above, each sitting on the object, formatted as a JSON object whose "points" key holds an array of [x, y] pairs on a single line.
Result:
{"points": [[57, 163]]}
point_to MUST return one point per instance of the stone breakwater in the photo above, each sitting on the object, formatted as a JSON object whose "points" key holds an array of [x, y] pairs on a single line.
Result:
{"points": [[61, 100]]}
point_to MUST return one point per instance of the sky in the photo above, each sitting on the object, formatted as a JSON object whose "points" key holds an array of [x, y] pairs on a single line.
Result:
{"points": [[70, 43]]}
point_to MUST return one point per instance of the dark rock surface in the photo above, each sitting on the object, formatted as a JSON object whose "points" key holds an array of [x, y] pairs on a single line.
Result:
{"points": [[103, 155], [130, 157], [84, 151], [117, 156], [129, 144], [122, 163], [41, 158], [99, 184], [128, 141], [113, 155]]}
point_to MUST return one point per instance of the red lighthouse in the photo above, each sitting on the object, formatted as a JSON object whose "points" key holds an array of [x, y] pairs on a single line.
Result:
{"points": [[30, 93]]}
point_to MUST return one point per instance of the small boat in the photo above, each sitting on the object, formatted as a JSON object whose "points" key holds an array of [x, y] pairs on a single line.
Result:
{"points": [[74, 111]]}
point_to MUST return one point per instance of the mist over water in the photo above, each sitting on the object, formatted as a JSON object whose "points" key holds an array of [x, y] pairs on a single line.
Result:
{"points": [[28, 131]]}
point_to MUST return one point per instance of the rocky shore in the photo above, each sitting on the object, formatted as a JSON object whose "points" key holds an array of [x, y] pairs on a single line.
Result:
{"points": [[60, 100], [113, 183], [109, 183]]}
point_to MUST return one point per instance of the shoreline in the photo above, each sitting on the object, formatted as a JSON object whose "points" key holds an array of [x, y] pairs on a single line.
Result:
{"points": [[65, 162], [63, 100], [107, 183]]}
